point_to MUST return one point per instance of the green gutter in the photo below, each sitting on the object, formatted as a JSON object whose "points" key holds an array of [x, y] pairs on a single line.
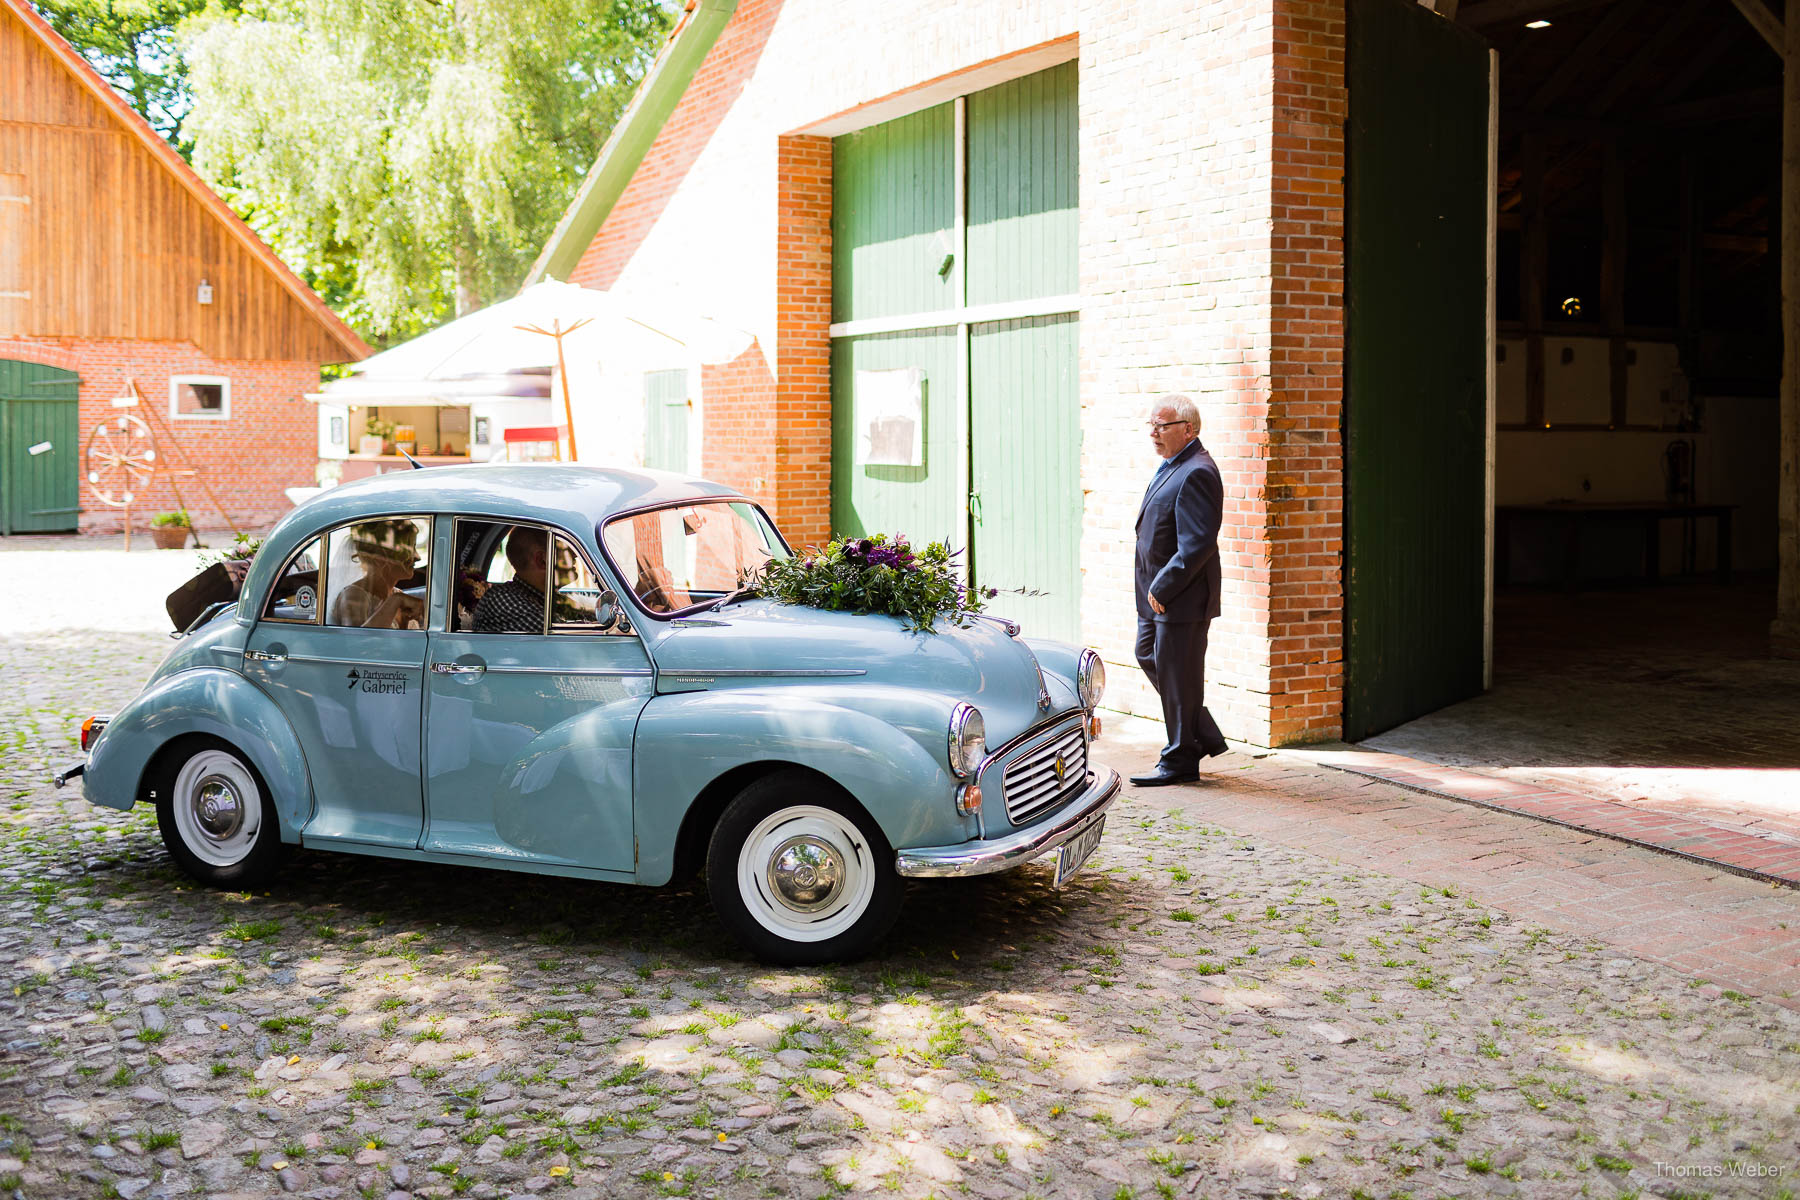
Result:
{"points": [[650, 108]]}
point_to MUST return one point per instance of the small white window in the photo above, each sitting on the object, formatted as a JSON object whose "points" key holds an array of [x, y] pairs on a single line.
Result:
{"points": [[200, 397]]}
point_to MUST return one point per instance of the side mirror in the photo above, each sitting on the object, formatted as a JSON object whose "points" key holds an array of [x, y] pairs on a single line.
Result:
{"points": [[606, 611]]}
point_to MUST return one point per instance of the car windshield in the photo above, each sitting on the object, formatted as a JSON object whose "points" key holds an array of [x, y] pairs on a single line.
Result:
{"points": [[689, 555]]}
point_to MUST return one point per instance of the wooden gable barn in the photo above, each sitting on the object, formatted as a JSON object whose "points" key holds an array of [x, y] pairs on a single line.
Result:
{"points": [[119, 266]]}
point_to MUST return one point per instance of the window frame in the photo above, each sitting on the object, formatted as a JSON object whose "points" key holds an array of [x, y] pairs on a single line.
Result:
{"points": [[428, 540], [319, 585], [547, 630], [222, 382], [692, 501]]}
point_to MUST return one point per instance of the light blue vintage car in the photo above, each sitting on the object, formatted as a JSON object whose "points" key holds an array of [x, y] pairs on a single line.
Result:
{"points": [[547, 668]]}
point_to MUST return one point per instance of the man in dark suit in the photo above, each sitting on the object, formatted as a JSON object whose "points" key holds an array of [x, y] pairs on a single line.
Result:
{"points": [[1178, 587]]}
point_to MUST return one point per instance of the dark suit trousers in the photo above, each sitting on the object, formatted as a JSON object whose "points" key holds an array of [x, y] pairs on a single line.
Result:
{"points": [[1173, 655]]}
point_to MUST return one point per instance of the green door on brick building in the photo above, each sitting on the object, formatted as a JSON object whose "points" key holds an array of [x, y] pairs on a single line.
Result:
{"points": [[666, 409], [39, 448], [955, 407]]}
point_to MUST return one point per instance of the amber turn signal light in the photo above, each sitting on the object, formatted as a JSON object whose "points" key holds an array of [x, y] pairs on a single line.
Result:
{"points": [[968, 799], [1093, 727], [90, 729]]}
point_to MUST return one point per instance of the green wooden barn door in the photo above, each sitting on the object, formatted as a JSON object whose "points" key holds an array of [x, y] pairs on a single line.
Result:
{"points": [[1026, 502], [1025, 402], [40, 449], [920, 501], [892, 223], [1000, 465], [1415, 402], [666, 420]]}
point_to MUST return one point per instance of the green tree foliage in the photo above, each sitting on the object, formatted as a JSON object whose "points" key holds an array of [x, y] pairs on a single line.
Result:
{"points": [[409, 157], [132, 44]]}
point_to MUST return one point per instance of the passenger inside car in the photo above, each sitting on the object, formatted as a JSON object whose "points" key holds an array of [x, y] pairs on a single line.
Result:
{"points": [[387, 552], [517, 605]]}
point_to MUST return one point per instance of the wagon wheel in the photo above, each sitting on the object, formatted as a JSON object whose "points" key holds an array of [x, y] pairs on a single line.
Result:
{"points": [[119, 459]]}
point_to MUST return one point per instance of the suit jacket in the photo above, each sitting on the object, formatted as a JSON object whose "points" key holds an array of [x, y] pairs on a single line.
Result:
{"points": [[1178, 538]]}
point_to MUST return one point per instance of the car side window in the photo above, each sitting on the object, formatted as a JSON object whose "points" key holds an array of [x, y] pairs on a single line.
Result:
{"points": [[501, 577], [582, 603], [295, 596], [377, 573]]}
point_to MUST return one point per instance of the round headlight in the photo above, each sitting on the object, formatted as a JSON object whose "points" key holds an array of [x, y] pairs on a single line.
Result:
{"points": [[968, 739], [1090, 679]]}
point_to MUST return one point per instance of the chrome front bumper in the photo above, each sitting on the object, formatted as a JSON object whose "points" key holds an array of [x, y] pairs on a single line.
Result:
{"points": [[1015, 849]]}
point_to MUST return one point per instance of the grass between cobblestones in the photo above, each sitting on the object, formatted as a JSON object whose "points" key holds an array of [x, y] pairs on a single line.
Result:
{"points": [[1198, 1015]]}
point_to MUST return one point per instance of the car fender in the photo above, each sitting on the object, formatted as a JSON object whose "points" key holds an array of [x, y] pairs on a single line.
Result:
{"points": [[687, 741], [211, 701]]}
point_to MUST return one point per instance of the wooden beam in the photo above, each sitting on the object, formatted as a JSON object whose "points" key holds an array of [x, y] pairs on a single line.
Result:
{"points": [[1566, 71], [1698, 64], [1646, 56], [1534, 251], [1729, 107], [1784, 633], [1765, 22], [1490, 13], [1612, 273]]}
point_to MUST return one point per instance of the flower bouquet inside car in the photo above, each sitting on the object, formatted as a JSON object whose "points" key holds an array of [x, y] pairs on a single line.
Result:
{"points": [[879, 574]]}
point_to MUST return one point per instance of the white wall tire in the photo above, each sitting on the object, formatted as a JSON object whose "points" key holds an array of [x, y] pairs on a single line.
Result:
{"points": [[216, 817], [801, 875]]}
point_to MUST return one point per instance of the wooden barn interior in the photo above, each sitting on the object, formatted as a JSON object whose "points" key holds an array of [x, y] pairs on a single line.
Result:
{"points": [[1638, 364]]}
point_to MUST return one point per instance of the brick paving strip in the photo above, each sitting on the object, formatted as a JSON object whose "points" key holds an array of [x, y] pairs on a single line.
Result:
{"points": [[1764, 858], [1729, 929]]}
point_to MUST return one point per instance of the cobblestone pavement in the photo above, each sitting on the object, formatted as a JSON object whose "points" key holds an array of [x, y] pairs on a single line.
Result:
{"points": [[1205, 1013]]}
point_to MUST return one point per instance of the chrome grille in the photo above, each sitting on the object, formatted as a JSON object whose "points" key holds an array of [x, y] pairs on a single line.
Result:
{"points": [[1032, 785]]}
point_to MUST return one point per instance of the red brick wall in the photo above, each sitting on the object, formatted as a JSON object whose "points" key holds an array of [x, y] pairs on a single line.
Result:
{"points": [[716, 85], [803, 334], [270, 441], [737, 413], [1304, 487]]}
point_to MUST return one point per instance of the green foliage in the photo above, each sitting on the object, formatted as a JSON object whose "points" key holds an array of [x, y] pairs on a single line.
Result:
{"points": [[409, 159], [132, 44], [873, 575], [178, 518]]}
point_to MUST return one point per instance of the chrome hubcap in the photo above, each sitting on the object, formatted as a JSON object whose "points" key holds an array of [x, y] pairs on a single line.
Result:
{"points": [[805, 874], [218, 809]]}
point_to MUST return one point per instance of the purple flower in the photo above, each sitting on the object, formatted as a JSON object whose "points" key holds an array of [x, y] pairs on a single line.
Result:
{"points": [[990, 593], [886, 556], [858, 548]]}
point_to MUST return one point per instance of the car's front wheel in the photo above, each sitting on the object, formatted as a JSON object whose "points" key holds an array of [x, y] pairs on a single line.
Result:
{"points": [[800, 874], [216, 817]]}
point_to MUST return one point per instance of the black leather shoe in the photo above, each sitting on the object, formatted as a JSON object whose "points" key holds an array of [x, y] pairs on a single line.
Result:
{"points": [[1162, 777]]}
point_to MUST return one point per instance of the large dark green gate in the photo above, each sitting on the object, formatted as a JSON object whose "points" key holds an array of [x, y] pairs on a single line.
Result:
{"points": [[1415, 405], [39, 448]]}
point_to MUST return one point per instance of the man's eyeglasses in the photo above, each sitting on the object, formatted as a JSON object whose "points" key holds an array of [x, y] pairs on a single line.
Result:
{"points": [[1159, 426]]}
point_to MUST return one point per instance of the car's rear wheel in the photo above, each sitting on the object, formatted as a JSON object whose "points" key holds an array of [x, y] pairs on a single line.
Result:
{"points": [[800, 874], [216, 817]]}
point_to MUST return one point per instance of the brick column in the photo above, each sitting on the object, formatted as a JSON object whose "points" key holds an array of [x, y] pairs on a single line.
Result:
{"points": [[802, 484], [1303, 488]]}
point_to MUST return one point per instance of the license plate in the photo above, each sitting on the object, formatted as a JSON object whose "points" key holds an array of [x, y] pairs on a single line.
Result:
{"points": [[1073, 853]]}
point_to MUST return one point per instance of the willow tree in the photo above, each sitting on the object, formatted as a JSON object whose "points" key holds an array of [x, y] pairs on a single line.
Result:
{"points": [[409, 157]]}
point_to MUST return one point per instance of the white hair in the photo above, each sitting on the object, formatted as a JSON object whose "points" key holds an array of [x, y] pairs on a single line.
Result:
{"points": [[1185, 409]]}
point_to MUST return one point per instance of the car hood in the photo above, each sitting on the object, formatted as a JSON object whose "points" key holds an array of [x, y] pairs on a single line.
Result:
{"points": [[757, 641]]}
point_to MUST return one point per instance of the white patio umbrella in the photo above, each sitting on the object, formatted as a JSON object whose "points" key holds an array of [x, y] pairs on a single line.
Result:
{"points": [[534, 328]]}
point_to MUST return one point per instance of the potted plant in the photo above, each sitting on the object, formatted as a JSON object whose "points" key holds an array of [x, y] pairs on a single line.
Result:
{"points": [[171, 529]]}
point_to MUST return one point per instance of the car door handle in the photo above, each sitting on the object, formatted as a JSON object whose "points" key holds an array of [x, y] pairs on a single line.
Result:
{"points": [[259, 656], [454, 668]]}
